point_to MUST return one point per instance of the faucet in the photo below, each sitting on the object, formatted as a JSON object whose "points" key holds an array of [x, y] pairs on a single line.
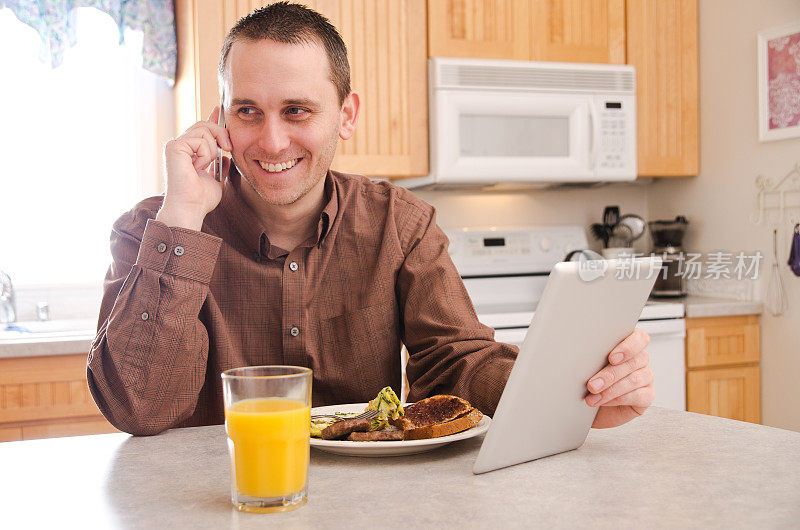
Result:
{"points": [[8, 310]]}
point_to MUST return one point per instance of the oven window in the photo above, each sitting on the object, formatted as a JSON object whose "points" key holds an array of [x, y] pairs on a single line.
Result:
{"points": [[491, 135]]}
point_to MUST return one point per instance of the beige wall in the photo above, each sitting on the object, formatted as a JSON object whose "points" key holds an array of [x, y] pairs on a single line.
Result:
{"points": [[542, 207], [720, 199]]}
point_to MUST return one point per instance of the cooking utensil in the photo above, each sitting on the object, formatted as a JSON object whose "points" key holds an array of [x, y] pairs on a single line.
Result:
{"points": [[611, 216], [622, 233], [776, 295], [599, 231], [635, 223]]}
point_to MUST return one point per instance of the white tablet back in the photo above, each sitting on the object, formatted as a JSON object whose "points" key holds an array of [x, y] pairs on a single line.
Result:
{"points": [[586, 309]]}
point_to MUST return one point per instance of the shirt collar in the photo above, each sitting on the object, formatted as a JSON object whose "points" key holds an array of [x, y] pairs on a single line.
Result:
{"points": [[247, 226]]}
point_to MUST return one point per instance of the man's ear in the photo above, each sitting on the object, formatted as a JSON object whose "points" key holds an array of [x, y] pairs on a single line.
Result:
{"points": [[349, 115]]}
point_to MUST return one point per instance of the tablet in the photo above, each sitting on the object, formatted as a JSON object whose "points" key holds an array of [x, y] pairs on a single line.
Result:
{"points": [[586, 309]]}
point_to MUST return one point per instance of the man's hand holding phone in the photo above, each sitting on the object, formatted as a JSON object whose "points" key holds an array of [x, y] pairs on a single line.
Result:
{"points": [[192, 189]]}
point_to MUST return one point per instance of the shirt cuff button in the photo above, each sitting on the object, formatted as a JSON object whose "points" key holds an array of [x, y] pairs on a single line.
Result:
{"points": [[178, 250], [161, 248]]}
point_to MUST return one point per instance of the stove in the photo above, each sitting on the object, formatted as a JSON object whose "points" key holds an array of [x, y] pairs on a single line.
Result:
{"points": [[505, 269]]}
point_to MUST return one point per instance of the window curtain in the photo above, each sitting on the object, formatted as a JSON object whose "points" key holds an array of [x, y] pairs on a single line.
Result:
{"points": [[54, 20]]}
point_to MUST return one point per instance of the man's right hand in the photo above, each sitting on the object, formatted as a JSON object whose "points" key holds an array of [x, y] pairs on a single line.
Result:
{"points": [[192, 190]]}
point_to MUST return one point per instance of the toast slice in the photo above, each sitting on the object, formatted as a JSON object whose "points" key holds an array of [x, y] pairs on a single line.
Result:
{"points": [[462, 423], [432, 410]]}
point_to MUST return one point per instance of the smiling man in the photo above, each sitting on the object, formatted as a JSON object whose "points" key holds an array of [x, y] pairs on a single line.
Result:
{"points": [[288, 262]]}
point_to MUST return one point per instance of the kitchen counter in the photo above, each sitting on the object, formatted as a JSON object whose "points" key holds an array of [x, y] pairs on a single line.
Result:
{"points": [[80, 341], [51, 337], [666, 469], [706, 306], [39, 346]]}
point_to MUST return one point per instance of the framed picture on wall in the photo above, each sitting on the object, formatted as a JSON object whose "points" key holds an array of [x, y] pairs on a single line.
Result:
{"points": [[779, 83]]}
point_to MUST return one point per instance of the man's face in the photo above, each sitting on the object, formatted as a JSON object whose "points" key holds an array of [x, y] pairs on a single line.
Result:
{"points": [[282, 111]]}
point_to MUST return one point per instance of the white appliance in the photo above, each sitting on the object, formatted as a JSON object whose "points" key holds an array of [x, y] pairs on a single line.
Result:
{"points": [[505, 271], [500, 121]]}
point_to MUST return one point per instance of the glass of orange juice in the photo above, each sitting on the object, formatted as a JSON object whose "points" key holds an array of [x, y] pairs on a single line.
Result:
{"points": [[267, 418]]}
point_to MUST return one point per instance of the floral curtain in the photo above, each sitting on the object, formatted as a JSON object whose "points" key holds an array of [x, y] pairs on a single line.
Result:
{"points": [[55, 22]]}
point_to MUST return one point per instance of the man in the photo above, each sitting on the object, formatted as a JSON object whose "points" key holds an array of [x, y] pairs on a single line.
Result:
{"points": [[287, 262]]}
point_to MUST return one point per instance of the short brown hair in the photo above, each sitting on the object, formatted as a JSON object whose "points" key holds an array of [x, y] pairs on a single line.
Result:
{"points": [[292, 24]]}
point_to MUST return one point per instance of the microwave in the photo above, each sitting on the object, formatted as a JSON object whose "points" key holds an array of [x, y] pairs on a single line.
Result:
{"points": [[502, 121]]}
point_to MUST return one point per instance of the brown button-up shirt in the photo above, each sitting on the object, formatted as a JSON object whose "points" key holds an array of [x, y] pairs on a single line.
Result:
{"points": [[180, 306]]}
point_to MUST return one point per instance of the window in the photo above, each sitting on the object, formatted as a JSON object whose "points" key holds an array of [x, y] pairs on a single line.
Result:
{"points": [[81, 144]]}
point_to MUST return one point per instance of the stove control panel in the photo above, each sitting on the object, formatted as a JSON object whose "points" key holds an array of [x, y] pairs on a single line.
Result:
{"points": [[503, 251]]}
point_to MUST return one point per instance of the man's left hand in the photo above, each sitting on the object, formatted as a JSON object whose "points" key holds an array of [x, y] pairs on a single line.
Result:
{"points": [[624, 388]]}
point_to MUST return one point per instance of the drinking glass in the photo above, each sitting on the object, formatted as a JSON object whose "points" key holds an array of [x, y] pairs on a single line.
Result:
{"points": [[267, 419]]}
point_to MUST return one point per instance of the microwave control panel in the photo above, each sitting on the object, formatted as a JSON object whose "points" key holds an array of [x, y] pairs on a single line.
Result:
{"points": [[617, 133]]}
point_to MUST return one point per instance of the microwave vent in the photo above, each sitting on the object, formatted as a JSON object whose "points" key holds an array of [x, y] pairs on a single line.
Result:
{"points": [[536, 78]]}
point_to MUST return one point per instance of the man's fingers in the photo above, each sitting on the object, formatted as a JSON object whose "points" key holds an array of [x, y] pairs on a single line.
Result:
{"points": [[636, 379], [630, 346], [611, 374], [201, 128], [639, 399]]}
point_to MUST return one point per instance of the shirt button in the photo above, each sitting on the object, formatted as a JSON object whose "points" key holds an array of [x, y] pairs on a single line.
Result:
{"points": [[178, 250], [145, 316], [294, 331], [293, 265], [161, 248]]}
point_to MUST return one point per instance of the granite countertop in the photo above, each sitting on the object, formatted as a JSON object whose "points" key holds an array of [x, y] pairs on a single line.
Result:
{"points": [[707, 306], [667, 469], [51, 337]]}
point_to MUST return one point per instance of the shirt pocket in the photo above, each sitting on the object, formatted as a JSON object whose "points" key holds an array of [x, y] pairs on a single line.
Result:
{"points": [[361, 353], [356, 327]]}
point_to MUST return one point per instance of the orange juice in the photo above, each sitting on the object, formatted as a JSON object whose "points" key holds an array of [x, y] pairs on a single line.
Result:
{"points": [[269, 445]]}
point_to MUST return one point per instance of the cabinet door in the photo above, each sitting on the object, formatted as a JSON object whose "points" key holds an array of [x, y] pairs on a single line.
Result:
{"points": [[580, 31], [386, 48], [487, 29], [44, 388], [662, 45], [385, 42], [722, 341], [733, 393]]}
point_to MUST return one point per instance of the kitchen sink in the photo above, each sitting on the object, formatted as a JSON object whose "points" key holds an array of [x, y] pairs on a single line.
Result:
{"points": [[36, 330]]}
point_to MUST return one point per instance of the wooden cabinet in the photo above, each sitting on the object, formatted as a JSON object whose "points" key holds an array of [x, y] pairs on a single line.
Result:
{"points": [[496, 29], [580, 31], [538, 30], [386, 48], [662, 45], [723, 377], [46, 397]]}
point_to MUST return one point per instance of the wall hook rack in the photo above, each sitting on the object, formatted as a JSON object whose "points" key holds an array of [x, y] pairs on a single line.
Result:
{"points": [[780, 196]]}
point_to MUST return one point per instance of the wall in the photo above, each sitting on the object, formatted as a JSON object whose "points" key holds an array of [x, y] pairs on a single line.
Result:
{"points": [[456, 209], [718, 202]]}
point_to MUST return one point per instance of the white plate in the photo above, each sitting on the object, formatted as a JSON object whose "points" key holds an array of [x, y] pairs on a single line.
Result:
{"points": [[387, 448]]}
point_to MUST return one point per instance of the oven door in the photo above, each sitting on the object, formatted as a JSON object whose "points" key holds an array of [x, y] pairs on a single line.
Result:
{"points": [[502, 135]]}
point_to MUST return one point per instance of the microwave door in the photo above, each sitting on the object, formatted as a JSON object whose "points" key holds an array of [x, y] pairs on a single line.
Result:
{"points": [[481, 136]]}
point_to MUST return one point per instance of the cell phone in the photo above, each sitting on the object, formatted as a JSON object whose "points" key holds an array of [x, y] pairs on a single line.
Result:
{"points": [[218, 176]]}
